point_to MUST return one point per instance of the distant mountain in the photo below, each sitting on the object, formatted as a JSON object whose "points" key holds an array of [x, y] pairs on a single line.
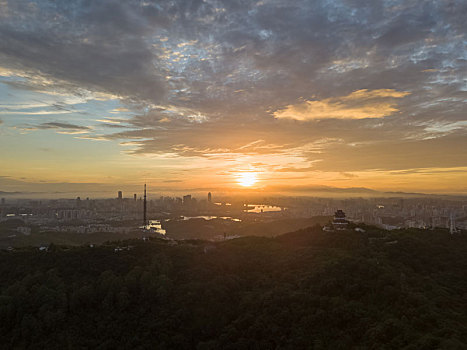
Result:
{"points": [[3, 193], [354, 191]]}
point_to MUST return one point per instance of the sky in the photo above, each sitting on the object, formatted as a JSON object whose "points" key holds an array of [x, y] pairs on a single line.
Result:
{"points": [[277, 96]]}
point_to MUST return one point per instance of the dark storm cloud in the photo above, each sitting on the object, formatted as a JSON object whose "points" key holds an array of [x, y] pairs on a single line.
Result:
{"points": [[96, 45], [212, 76]]}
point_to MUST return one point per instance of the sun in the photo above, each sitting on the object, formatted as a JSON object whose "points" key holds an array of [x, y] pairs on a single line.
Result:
{"points": [[247, 179]]}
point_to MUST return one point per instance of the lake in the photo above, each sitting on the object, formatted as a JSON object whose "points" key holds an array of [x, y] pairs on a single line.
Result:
{"points": [[262, 208], [208, 217]]}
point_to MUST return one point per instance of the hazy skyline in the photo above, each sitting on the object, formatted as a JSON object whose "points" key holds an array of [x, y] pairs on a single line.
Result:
{"points": [[278, 96]]}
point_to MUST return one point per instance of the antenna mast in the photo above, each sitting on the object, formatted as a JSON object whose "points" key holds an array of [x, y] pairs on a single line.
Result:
{"points": [[144, 207]]}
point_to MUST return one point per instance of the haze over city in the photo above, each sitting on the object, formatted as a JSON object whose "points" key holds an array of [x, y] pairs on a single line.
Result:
{"points": [[263, 96]]}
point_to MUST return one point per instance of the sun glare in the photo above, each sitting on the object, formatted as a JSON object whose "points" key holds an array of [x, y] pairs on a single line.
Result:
{"points": [[247, 179]]}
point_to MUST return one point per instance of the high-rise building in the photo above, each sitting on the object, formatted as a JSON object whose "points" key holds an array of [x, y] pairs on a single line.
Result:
{"points": [[452, 224], [120, 195], [134, 197], [187, 199], [209, 197]]}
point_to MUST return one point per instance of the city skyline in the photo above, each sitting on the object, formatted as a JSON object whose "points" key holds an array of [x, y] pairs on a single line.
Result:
{"points": [[232, 96]]}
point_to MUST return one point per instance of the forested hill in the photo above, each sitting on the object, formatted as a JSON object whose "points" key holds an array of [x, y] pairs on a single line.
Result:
{"points": [[304, 290]]}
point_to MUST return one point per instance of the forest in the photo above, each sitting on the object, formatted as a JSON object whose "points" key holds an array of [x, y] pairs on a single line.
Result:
{"points": [[308, 289]]}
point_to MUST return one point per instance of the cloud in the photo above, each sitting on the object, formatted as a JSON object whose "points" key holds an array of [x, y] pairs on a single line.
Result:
{"points": [[34, 113], [112, 123], [229, 57], [92, 138], [389, 155], [359, 104], [230, 79], [349, 175], [119, 110], [58, 125], [64, 128], [446, 127], [105, 51], [109, 120]]}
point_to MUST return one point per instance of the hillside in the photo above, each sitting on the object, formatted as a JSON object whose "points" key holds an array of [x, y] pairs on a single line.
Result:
{"points": [[212, 229], [306, 289], [177, 229]]}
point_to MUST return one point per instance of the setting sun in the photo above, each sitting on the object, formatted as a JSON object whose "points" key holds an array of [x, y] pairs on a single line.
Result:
{"points": [[247, 179]]}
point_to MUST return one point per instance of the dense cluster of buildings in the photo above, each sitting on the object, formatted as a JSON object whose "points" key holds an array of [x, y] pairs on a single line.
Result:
{"points": [[99, 215]]}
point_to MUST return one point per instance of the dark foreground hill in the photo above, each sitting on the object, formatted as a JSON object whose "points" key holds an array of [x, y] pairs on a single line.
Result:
{"points": [[304, 290]]}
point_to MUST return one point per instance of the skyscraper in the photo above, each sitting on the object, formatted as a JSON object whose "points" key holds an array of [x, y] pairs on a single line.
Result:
{"points": [[187, 200], [209, 197], [452, 224], [120, 195]]}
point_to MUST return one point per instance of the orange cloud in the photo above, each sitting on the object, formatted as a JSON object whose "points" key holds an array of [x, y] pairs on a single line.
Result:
{"points": [[359, 104]]}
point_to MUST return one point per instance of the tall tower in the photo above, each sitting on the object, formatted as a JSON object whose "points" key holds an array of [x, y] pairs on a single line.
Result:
{"points": [[144, 207], [209, 197]]}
